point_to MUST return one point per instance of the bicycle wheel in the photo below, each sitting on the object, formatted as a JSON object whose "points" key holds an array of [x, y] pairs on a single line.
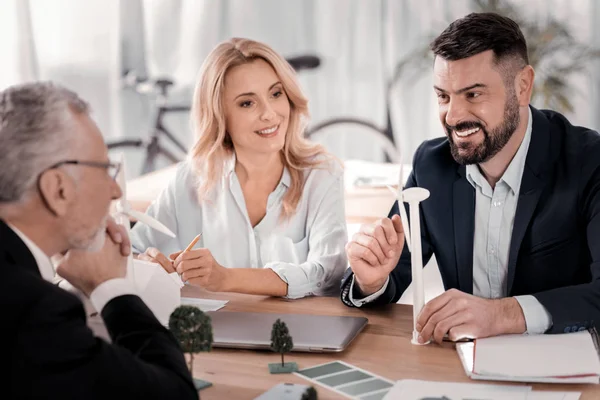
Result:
{"points": [[374, 134]]}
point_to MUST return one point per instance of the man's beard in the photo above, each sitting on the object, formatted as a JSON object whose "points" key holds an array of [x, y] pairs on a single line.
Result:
{"points": [[83, 241], [98, 241], [493, 141]]}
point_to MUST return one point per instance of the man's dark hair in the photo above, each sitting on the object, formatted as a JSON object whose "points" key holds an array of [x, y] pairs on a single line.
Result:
{"points": [[479, 32]]}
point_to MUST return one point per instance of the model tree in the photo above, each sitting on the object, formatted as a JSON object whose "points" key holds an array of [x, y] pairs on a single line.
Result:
{"points": [[193, 330], [309, 394], [281, 342]]}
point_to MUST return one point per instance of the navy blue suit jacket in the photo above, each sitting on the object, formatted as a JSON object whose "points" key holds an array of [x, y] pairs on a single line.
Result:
{"points": [[555, 246]]}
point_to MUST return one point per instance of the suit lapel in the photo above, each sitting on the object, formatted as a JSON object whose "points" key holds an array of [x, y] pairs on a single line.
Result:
{"points": [[464, 225], [529, 196], [543, 150]]}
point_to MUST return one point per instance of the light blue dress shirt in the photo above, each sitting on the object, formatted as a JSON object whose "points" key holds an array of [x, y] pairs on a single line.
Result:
{"points": [[307, 251], [494, 219]]}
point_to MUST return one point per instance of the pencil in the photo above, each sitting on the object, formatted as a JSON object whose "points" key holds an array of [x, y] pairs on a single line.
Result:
{"points": [[193, 243]]}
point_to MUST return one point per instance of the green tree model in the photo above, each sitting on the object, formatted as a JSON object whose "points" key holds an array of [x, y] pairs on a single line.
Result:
{"points": [[192, 329], [309, 394], [281, 341]]}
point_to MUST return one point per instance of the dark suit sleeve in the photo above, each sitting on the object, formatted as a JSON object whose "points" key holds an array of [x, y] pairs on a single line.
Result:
{"points": [[401, 276], [61, 354], [576, 307]]}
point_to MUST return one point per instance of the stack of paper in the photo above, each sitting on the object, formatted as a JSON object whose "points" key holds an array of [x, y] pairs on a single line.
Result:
{"points": [[419, 390], [564, 358]]}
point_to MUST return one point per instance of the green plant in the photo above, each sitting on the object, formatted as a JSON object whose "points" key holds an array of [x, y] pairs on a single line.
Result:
{"points": [[193, 330], [281, 341], [555, 55]]}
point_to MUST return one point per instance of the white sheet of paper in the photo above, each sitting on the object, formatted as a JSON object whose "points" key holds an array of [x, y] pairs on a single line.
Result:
{"points": [[203, 304], [535, 395], [568, 354], [160, 291], [409, 389]]}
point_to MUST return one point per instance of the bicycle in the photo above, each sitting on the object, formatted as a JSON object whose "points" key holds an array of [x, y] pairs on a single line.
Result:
{"points": [[384, 136], [153, 147]]}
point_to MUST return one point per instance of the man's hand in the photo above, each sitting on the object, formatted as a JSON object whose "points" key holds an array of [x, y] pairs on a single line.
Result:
{"points": [[118, 235], [461, 315], [86, 270], [374, 252], [154, 255], [199, 268]]}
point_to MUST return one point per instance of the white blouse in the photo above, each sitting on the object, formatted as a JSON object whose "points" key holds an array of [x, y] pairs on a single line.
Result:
{"points": [[307, 250]]}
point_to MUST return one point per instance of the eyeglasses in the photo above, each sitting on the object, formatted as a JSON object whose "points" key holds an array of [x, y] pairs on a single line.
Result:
{"points": [[112, 169]]}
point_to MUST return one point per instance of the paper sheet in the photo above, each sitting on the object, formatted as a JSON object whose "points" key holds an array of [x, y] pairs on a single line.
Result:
{"points": [[553, 395], [203, 304], [409, 389], [159, 290]]}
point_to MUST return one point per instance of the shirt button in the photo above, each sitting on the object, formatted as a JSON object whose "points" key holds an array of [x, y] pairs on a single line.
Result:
{"points": [[492, 251], [319, 284]]}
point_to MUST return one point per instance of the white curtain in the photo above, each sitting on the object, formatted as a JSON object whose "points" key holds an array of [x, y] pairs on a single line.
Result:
{"points": [[72, 42], [17, 48], [86, 45]]}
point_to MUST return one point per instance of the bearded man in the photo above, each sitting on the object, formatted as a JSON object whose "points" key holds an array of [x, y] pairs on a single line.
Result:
{"points": [[514, 213]]}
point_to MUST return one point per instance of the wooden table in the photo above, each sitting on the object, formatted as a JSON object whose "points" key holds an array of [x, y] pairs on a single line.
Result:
{"points": [[383, 348]]}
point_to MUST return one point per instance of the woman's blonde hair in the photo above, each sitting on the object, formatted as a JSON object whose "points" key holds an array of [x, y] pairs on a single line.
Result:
{"points": [[213, 147]]}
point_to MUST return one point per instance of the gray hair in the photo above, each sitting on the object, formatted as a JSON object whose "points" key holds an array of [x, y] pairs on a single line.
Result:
{"points": [[35, 122]]}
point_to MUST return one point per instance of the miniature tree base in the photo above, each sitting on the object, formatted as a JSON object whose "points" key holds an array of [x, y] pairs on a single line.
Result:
{"points": [[286, 368], [201, 384]]}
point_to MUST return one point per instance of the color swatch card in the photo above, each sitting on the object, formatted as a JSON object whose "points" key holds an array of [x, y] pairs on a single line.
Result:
{"points": [[349, 381]]}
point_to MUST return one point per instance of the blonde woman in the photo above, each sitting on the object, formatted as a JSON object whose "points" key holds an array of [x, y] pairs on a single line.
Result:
{"points": [[269, 204]]}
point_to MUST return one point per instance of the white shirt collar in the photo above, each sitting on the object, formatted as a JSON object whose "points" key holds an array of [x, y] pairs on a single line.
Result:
{"points": [[42, 260], [229, 171]]}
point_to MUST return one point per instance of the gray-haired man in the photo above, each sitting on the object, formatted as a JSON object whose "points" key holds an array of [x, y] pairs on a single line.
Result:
{"points": [[56, 185]]}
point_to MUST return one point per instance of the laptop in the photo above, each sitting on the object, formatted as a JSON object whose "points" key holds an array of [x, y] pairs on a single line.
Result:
{"points": [[310, 333]]}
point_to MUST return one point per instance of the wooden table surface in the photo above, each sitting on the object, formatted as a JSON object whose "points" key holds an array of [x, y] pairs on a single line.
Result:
{"points": [[383, 348]]}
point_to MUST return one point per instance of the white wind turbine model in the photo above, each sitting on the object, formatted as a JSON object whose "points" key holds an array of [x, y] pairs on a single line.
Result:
{"points": [[412, 236], [124, 211]]}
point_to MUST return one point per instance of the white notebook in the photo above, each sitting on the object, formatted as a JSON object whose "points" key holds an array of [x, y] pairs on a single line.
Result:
{"points": [[564, 358]]}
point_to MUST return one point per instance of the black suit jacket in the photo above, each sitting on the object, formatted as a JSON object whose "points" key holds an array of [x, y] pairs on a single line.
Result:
{"points": [[555, 246], [52, 354]]}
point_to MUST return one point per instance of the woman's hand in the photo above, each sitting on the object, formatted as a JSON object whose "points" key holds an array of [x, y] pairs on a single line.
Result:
{"points": [[199, 268]]}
